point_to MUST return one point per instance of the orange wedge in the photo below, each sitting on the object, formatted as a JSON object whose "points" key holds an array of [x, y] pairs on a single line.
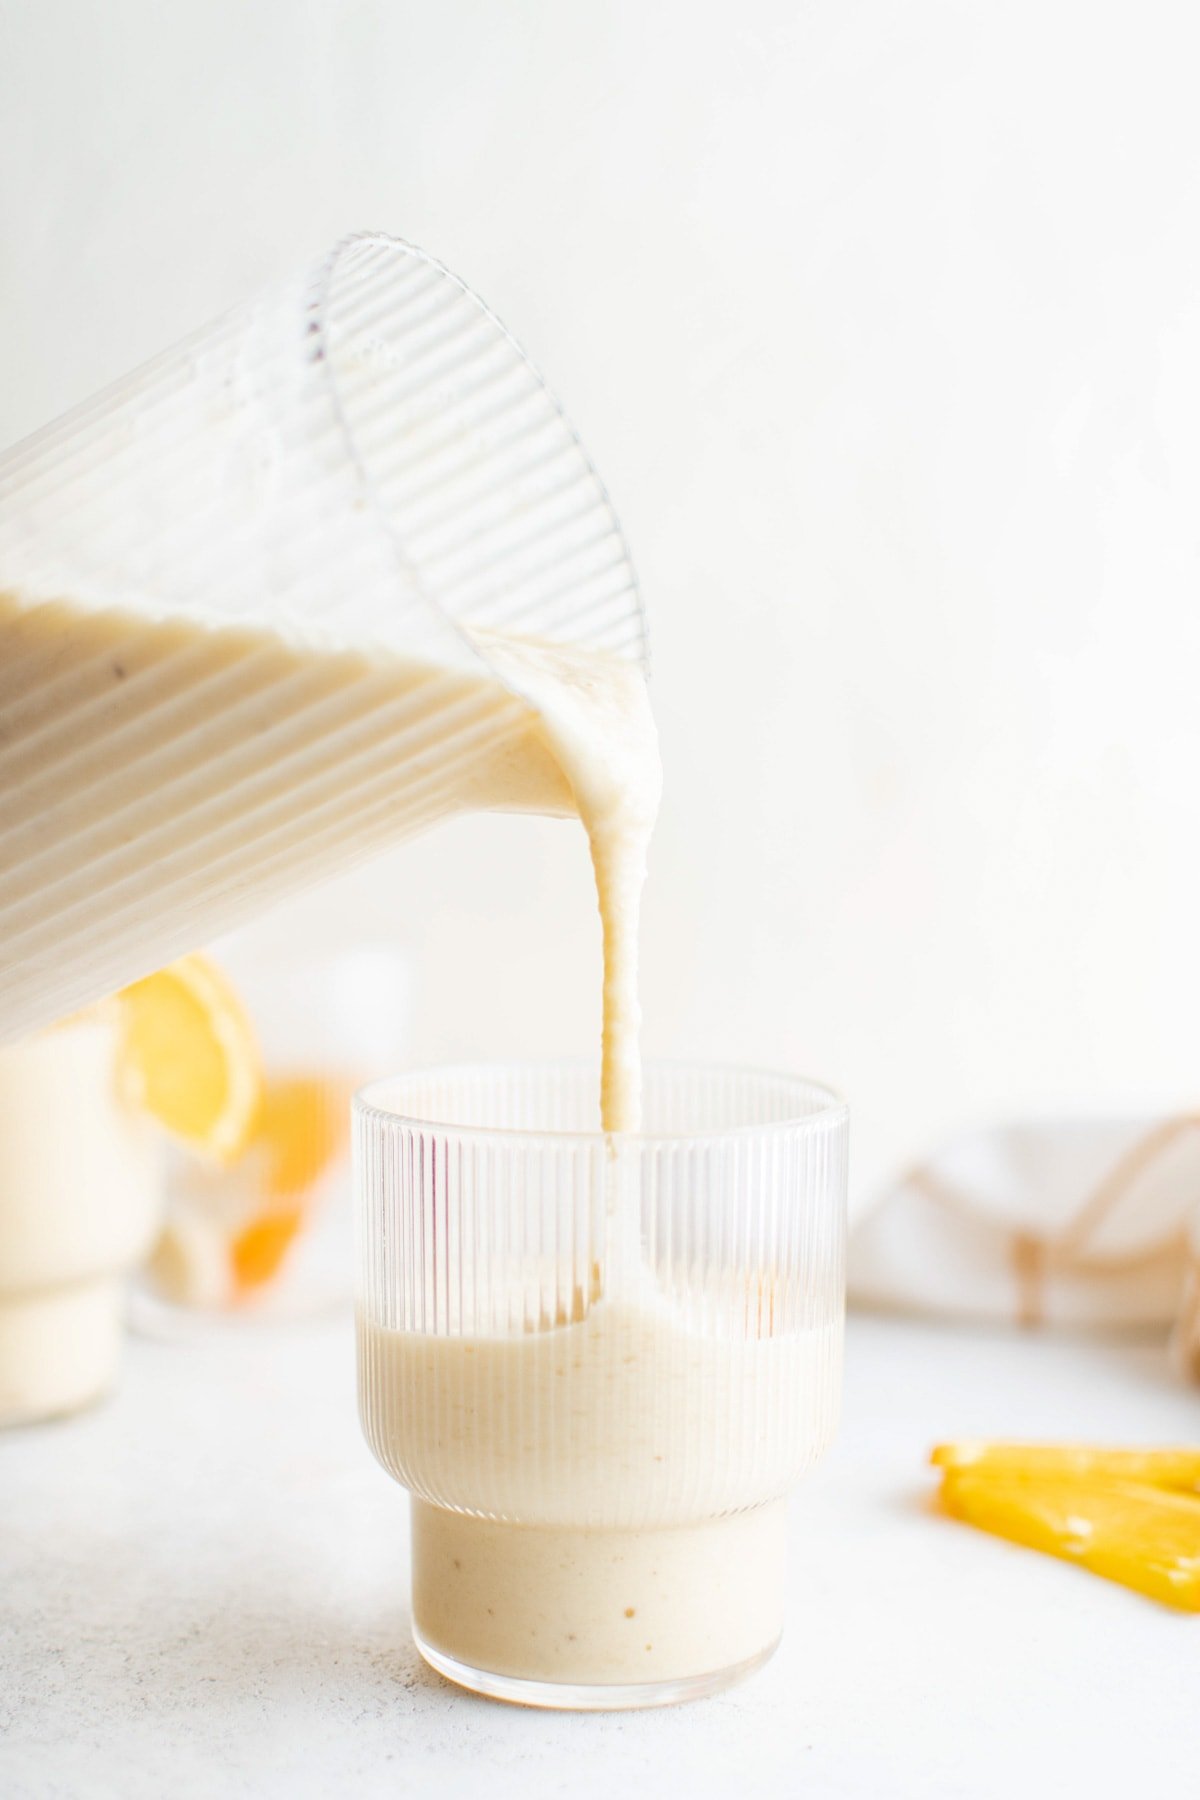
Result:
{"points": [[190, 1059], [1147, 1538], [1173, 1468], [302, 1124], [257, 1252]]}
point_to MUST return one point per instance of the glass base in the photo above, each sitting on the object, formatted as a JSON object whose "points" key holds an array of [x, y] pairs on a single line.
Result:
{"points": [[566, 1696], [577, 1616], [59, 1349]]}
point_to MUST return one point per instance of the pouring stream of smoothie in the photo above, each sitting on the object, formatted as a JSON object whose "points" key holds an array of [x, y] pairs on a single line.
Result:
{"points": [[163, 779], [595, 713]]}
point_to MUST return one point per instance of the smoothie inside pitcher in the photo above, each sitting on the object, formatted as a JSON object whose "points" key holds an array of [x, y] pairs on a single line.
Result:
{"points": [[328, 573], [164, 777]]}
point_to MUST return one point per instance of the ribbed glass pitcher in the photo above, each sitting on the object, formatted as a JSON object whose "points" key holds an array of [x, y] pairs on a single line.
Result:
{"points": [[246, 597]]}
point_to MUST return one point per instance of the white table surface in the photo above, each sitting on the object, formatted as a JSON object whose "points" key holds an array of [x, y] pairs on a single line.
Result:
{"points": [[203, 1592]]}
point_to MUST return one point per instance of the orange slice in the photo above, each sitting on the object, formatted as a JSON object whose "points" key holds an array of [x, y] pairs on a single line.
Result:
{"points": [[190, 1059], [302, 1125], [1147, 1538], [1173, 1468], [257, 1252]]}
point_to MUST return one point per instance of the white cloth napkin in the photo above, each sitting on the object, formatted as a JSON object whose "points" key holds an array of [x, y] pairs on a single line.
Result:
{"points": [[1067, 1223]]}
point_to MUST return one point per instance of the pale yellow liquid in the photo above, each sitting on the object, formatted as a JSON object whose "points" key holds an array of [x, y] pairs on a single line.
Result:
{"points": [[80, 1203], [160, 781], [631, 1471]]}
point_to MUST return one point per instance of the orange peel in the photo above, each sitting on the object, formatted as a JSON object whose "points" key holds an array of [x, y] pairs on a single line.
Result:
{"points": [[1145, 1537]]}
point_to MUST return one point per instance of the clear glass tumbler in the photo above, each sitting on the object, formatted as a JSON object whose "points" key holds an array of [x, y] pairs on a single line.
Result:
{"points": [[598, 1364]]}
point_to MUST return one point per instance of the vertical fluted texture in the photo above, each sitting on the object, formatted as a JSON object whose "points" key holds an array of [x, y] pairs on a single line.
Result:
{"points": [[210, 574], [568, 1330], [360, 454]]}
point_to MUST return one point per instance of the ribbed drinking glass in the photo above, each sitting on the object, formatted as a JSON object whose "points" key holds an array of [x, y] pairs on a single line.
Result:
{"points": [[598, 1364]]}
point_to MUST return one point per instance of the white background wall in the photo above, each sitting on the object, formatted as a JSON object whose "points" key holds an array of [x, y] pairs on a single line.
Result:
{"points": [[882, 322]]}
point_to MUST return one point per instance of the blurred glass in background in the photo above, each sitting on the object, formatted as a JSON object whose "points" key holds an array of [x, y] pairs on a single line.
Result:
{"points": [[269, 1235]]}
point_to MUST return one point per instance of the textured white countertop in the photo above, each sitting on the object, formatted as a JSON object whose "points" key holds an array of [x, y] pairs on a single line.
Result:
{"points": [[204, 1582]]}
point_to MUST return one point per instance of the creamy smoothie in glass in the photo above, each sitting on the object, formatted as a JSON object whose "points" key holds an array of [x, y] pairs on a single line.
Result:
{"points": [[80, 1202], [599, 1363]]}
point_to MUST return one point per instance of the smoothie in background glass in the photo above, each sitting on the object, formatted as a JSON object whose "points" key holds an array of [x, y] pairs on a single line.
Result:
{"points": [[81, 1199]]}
